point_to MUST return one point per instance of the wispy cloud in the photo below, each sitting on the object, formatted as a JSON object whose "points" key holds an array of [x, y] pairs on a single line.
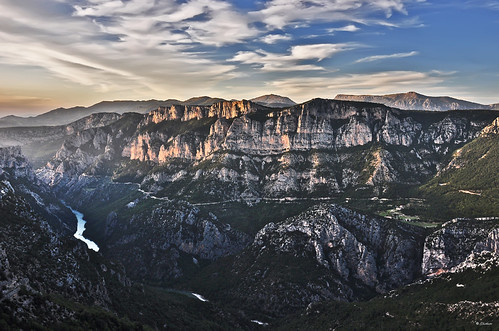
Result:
{"points": [[177, 48], [209, 22], [293, 61], [274, 38], [489, 4], [112, 53], [388, 56], [281, 13], [347, 28], [374, 83]]}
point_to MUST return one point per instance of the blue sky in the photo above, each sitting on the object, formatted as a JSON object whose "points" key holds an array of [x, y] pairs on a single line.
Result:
{"points": [[79, 52]]}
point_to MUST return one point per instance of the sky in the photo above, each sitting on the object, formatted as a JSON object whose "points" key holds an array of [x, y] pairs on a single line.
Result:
{"points": [[56, 53]]}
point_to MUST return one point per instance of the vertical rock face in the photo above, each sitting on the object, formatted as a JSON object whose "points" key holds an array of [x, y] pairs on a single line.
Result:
{"points": [[456, 242], [159, 239], [224, 109], [383, 170], [325, 253], [319, 124], [91, 151], [238, 150], [378, 253], [11, 159], [45, 135], [449, 130], [400, 132], [16, 171], [332, 129], [492, 129]]}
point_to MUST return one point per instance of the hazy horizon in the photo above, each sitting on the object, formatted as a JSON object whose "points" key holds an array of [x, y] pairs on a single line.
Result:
{"points": [[298, 101], [70, 53]]}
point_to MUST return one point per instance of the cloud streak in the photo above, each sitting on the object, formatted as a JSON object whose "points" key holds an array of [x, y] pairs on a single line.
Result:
{"points": [[179, 48], [372, 83], [275, 38], [385, 57], [278, 14], [294, 60], [347, 28]]}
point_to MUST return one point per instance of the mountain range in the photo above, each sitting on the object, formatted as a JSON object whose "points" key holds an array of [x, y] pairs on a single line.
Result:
{"points": [[273, 100], [252, 214], [407, 101], [61, 116], [416, 101]]}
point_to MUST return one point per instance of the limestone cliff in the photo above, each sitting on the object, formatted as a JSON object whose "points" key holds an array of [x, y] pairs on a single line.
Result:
{"points": [[223, 109], [166, 241], [319, 124], [16, 171], [237, 150], [378, 253], [325, 253], [12, 160], [309, 148], [461, 243]]}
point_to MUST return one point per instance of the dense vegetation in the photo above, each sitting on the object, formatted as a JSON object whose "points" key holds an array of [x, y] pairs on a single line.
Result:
{"points": [[470, 186], [461, 301]]}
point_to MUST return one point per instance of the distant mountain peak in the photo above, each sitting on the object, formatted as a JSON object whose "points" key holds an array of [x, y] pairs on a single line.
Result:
{"points": [[202, 101], [415, 101], [494, 106], [273, 100]]}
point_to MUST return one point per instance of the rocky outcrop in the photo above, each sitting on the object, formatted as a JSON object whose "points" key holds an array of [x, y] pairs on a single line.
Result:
{"points": [[458, 243], [12, 161], [237, 150], [234, 153], [333, 253], [48, 281], [492, 129], [415, 101], [159, 240], [162, 237], [461, 157], [17, 171], [319, 124], [325, 253], [37, 264], [376, 252], [92, 151], [466, 185], [276, 147], [39, 144], [224, 109]]}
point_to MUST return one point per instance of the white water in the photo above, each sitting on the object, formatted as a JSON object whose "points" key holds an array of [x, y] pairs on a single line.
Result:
{"points": [[80, 228], [199, 297]]}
